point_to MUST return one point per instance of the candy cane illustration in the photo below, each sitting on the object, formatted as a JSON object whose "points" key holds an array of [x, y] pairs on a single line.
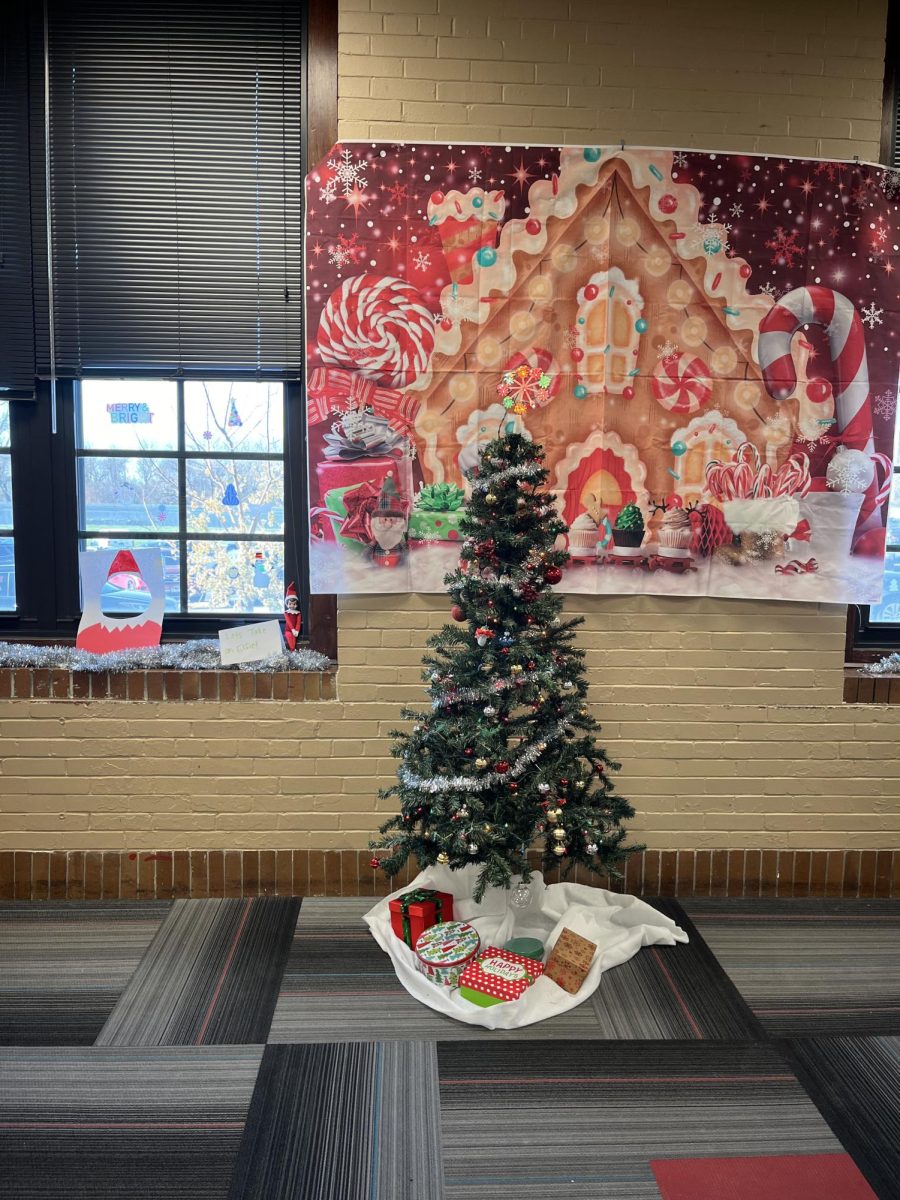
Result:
{"points": [[815, 305]]}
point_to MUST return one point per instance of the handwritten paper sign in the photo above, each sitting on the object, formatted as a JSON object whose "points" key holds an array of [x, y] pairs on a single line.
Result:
{"points": [[249, 643]]}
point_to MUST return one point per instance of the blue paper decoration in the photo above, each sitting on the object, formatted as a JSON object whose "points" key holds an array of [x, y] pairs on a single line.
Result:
{"points": [[230, 497]]}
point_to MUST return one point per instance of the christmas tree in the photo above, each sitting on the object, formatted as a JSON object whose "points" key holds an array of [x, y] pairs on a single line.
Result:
{"points": [[507, 752]]}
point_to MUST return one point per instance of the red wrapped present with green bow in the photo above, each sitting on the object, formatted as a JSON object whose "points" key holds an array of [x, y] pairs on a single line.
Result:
{"points": [[414, 912]]}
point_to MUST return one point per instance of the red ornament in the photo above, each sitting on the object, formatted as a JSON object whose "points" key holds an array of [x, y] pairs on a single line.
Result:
{"points": [[530, 666], [577, 354], [437, 197], [667, 204], [818, 390], [529, 593], [446, 324], [628, 393], [468, 752], [591, 292], [564, 783], [552, 575], [502, 767], [375, 863], [746, 271], [533, 227], [457, 613], [513, 787]]}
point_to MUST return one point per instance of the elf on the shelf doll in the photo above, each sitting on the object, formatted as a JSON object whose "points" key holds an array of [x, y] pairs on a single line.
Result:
{"points": [[293, 619]]}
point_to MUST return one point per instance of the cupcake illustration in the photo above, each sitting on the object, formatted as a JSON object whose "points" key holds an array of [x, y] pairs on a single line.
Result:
{"points": [[675, 534], [628, 531], [584, 534]]}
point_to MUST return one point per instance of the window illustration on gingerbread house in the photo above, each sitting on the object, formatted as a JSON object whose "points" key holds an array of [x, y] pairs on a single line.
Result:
{"points": [[668, 325]]}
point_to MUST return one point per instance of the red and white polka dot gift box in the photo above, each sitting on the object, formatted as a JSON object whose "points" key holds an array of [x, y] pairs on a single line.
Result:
{"points": [[494, 976]]}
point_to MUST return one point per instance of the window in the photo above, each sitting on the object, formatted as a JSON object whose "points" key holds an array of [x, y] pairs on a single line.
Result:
{"points": [[196, 469], [7, 549]]}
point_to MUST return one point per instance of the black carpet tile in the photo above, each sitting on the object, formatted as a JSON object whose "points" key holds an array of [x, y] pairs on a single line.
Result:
{"points": [[576, 1121], [64, 965], [855, 1081], [210, 977], [351, 1121], [809, 967], [146, 1124]]}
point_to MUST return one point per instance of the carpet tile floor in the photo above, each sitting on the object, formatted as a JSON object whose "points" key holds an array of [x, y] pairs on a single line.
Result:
{"points": [[237, 1049]]}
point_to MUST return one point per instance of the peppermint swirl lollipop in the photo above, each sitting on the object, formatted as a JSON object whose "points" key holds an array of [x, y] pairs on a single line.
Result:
{"points": [[682, 384], [378, 326]]}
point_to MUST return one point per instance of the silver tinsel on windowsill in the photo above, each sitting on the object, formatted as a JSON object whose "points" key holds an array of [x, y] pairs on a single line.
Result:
{"points": [[889, 665], [201, 655]]}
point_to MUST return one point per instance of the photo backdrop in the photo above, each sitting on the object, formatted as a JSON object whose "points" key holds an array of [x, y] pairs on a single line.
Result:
{"points": [[705, 345]]}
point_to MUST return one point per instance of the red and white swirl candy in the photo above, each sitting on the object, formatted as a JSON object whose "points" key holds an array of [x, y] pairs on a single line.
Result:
{"points": [[816, 305], [379, 326], [682, 384]]}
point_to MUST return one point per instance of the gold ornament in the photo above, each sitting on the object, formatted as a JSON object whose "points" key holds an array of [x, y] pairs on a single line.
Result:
{"points": [[515, 669], [553, 815], [481, 763], [579, 783], [442, 858], [490, 498], [487, 828], [559, 850], [559, 834]]}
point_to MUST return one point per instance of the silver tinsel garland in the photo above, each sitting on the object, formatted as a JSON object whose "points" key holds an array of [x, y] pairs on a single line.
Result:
{"points": [[201, 655], [465, 783], [469, 695], [889, 665], [484, 482]]}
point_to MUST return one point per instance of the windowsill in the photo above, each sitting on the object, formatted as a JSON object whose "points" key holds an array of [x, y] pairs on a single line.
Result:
{"points": [[36, 683], [860, 688]]}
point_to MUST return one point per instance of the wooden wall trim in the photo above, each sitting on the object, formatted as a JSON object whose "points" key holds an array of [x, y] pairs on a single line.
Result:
{"points": [[165, 874]]}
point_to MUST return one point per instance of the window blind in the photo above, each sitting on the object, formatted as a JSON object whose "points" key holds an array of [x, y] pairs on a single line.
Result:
{"points": [[176, 187], [17, 344]]}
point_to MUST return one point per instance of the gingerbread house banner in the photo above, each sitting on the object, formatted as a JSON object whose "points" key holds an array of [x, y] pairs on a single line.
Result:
{"points": [[704, 344]]}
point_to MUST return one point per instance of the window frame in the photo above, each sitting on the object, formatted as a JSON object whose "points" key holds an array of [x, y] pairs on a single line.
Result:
{"points": [[868, 640], [47, 529]]}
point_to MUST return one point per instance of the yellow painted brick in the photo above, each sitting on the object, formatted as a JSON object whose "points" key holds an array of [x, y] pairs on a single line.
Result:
{"points": [[467, 92], [468, 48], [421, 112], [402, 23], [419, 45], [360, 22], [370, 66], [404, 6], [437, 25], [353, 43], [375, 110], [429, 68], [405, 89]]}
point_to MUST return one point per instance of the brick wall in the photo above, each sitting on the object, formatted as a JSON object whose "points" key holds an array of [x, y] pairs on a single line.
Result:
{"points": [[728, 717]]}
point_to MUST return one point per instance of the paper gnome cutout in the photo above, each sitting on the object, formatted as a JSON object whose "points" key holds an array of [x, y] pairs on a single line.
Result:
{"points": [[101, 633], [708, 337]]}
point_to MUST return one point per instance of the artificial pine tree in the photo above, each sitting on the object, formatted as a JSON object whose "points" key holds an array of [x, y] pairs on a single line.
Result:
{"points": [[506, 754]]}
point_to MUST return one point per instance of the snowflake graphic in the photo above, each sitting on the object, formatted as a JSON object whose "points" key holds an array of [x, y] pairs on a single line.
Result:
{"points": [[667, 351], [885, 405], [679, 159], [846, 476], [328, 193], [768, 289], [784, 247], [347, 172], [350, 245], [871, 316], [422, 261], [811, 445], [339, 257], [890, 182], [709, 238], [398, 192], [737, 210], [475, 174]]}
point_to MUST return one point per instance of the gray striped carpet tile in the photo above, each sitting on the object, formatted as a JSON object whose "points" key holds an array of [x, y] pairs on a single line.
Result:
{"points": [[154, 1124], [64, 965], [809, 967], [346, 1121], [569, 1121], [210, 976], [855, 1081], [339, 985]]}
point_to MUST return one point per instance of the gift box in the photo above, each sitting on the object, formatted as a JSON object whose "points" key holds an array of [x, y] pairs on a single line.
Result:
{"points": [[444, 950], [333, 473], [496, 976], [437, 513], [414, 912], [570, 960]]}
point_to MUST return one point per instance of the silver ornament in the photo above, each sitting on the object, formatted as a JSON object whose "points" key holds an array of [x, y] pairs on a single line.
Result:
{"points": [[490, 711], [591, 847], [472, 848], [520, 897]]}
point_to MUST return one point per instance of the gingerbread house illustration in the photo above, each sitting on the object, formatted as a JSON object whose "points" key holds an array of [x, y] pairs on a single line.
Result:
{"points": [[621, 292]]}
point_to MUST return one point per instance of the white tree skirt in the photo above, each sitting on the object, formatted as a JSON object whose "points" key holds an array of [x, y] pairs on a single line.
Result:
{"points": [[619, 925]]}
